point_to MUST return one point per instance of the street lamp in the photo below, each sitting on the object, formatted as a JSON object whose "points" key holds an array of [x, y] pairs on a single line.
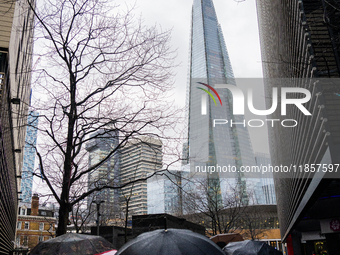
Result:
{"points": [[98, 202]]}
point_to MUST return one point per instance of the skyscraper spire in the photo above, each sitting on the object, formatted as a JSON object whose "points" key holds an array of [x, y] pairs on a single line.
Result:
{"points": [[210, 144], [210, 64]]}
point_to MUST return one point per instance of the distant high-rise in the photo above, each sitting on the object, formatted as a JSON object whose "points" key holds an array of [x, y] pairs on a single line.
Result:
{"points": [[138, 158], [267, 182], [301, 40], [164, 192], [209, 145], [29, 157], [102, 143]]}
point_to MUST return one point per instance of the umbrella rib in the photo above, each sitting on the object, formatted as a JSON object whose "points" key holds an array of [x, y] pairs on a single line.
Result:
{"points": [[94, 248]]}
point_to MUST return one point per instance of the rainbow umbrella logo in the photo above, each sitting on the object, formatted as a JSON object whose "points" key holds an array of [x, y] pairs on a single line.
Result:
{"points": [[209, 93], [204, 97]]}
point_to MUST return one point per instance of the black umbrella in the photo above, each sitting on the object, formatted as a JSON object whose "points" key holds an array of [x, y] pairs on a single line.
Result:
{"points": [[250, 247], [170, 242], [72, 244]]}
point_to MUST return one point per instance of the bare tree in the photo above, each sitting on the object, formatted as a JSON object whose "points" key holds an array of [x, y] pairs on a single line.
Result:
{"points": [[80, 216], [126, 196], [99, 69], [204, 203], [253, 222]]}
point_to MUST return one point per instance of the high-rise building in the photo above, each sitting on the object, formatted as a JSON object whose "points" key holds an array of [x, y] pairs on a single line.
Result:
{"points": [[101, 145], [164, 193], [138, 158], [16, 35], [267, 182], [300, 39], [210, 144], [29, 157]]}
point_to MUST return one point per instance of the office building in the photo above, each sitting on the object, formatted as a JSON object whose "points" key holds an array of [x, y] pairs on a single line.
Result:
{"points": [[16, 33], [139, 158], [164, 193], [300, 39], [267, 182], [29, 157], [209, 144], [101, 144]]}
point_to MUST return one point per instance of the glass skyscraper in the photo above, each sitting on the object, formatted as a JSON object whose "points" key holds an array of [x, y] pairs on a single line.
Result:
{"points": [[102, 143], [222, 145], [163, 193], [29, 157]]}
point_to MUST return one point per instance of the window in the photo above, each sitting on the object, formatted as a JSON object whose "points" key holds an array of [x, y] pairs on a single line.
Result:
{"points": [[17, 240], [41, 238], [19, 225], [25, 241], [23, 211], [41, 226], [43, 213], [27, 225]]}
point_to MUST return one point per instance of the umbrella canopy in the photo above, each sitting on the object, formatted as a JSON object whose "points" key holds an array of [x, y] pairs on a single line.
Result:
{"points": [[169, 242], [223, 239], [72, 244], [250, 247]]}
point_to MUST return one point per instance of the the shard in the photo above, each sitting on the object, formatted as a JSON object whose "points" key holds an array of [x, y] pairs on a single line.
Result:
{"points": [[211, 145]]}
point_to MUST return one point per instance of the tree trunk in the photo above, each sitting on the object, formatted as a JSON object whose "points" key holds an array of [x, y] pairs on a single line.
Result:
{"points": [[126, 217], [63, 219]]}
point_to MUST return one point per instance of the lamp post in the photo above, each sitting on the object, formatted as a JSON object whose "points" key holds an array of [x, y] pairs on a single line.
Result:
{"points": [[98, 202]]}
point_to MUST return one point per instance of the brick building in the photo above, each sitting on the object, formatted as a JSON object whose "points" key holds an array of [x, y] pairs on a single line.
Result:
{"points": [[34, 225]]}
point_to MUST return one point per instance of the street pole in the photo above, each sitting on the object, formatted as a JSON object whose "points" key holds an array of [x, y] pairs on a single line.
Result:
{"points": [[98, 214]]}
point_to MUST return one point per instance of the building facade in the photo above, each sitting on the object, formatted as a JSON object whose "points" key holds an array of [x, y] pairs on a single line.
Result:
{"points": [[34, 224], [16, 35], [268, 189], [29, 157], [164, 193], [139, 158], [101, 145], [300, 39], [211, 145]]}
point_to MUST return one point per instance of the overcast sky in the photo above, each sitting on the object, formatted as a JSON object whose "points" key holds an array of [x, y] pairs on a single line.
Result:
{"points": [[240, 29]]}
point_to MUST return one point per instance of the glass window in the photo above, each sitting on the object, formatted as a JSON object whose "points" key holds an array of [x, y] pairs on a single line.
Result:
{"points": [[41, 226], [41, 238], [27, 225], [19, 225], [25, 240], [273, 244]]}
